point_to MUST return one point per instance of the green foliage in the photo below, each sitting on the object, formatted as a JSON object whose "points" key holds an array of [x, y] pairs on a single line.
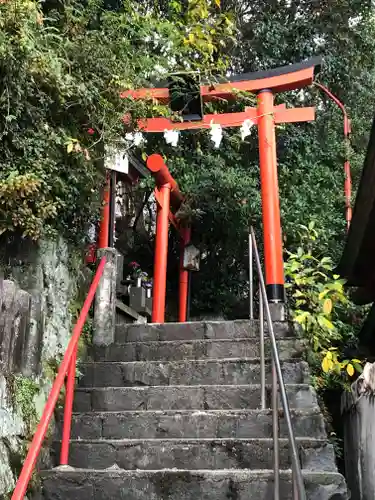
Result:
{"points": [[205, 32], [310, 155], [24, 391], [331, 363], [318, 302], [63, 67], [75, 308], [50, 368], [222, 199]]}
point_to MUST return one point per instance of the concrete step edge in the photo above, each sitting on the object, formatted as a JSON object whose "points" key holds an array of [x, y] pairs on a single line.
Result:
{"points": [[245, 473], [197, 330], [142, 388], [199, 341], [205, 322], [183, 441], [251, 411], [255, 361]]}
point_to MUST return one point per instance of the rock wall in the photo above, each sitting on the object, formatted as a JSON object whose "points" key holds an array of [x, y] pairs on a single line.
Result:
{"points": [[358, 413], [35, 327]]}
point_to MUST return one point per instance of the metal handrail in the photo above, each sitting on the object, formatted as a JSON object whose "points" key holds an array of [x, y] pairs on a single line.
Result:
{"points": [[299, 492], [67, 368], [347, 172]]}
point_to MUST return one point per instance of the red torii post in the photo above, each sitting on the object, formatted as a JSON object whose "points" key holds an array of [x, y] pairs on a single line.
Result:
{"points": [[183, 288], [103, 238], [266, 115], [167, 195]]}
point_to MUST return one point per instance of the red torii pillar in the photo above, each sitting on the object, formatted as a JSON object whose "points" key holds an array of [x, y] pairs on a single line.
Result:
{"points": [[183, 289], [265, 84], [273, 247], [167, 195], [103, 238], [161, 253]]}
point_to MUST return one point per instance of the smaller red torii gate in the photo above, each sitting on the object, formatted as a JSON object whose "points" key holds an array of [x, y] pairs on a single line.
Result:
{"points": [[167, 194], [266, 115]]}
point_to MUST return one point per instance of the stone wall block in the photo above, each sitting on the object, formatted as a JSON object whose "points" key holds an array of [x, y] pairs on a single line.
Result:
{"points": [[105, 300], [7, 323], [23, 300]]}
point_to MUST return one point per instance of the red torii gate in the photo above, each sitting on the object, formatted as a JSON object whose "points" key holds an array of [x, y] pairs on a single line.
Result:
{"points": [[167, 194], [266, 115]]}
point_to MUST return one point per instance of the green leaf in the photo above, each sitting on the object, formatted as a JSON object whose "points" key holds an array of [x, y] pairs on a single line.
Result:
{"points": [[326, 260], [325, 323], [357, 366], [335, 286], [337, 368], [301, 318]]}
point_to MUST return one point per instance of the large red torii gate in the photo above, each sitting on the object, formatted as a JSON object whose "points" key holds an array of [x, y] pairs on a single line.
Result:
{"points": [[266, 115]]}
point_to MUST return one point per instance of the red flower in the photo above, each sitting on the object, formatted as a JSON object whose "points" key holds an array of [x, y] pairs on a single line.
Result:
{"points": [[134, 264], [91, 131]]}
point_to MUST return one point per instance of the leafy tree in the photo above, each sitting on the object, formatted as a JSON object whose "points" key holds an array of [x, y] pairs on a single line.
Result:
{"points": [[311, 156], [63, 66]]}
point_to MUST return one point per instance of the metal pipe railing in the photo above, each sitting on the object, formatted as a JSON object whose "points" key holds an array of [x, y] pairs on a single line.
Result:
{"points": [[347, 172], [67, 368], [251, 279], [262, 350], [299, 492]]}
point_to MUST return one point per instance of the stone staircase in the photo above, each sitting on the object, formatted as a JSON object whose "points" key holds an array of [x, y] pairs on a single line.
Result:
{"points": [[172, 412]]}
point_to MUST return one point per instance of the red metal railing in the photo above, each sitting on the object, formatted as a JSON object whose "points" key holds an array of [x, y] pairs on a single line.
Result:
{"points": [[347, 131], [67, 369]]}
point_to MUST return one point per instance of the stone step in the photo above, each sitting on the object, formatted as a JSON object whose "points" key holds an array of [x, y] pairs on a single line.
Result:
{"points": [[78, 484], [196, 454], [231, 371], [175, 350], [209, 397], [174, 424], [196, 331]]}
